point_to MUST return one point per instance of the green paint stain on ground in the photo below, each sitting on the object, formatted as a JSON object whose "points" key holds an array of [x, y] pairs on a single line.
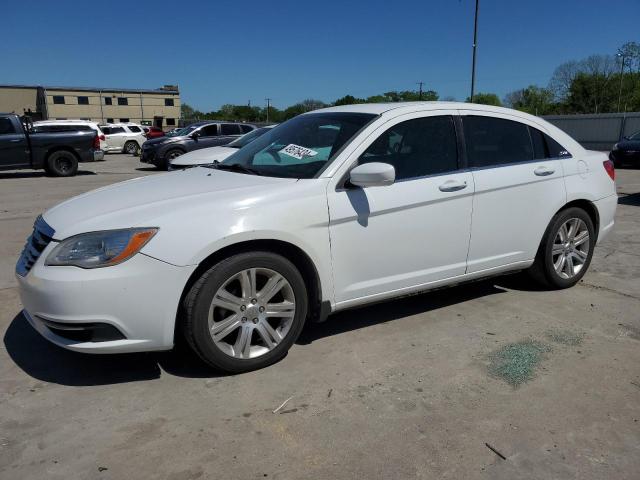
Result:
{"points": [[565, 337], [515, 363]]}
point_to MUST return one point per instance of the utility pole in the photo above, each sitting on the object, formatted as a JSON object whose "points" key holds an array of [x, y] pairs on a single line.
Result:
{"points": [[621, 56], [420, 94], [475, 45], [268, 105]]}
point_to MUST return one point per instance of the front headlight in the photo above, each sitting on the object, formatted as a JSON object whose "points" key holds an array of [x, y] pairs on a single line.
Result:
{"points": [[100, 249]]}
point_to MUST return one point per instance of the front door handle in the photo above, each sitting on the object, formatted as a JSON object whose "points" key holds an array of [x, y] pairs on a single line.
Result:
{"points": [[452, 186], [543, 171], [15, 140]]}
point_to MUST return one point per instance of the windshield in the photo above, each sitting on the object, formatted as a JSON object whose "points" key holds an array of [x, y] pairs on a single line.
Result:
{"points": [[182, 132], [249, 137], [300, 147], [635, 136]]}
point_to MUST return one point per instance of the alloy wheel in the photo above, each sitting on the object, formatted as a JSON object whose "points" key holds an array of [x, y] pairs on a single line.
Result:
{"points": [[251, 313], [570, 248]]}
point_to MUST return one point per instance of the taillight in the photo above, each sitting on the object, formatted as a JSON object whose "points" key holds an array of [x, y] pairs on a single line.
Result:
{"points": [[96, 143], [102, 137], [611, 170]]}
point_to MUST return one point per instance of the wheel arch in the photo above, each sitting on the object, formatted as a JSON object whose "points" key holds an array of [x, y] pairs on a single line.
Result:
{"points": [[588, 207], [319, 309]]}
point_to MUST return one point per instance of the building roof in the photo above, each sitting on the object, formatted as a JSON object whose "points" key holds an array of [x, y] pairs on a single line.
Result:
{"points": [[97, 89]]}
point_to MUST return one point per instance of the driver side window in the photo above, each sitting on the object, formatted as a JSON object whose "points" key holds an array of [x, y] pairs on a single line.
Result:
{"points": [[208, 131], [417, 148]]}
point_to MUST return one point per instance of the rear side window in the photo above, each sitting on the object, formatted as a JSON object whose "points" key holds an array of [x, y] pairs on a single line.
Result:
{"points": [[246, 128], [134, 129], [495, 141], [116, 130], [6, 126], [546, 147], [230, 129], [61, 128], [417, 148]]}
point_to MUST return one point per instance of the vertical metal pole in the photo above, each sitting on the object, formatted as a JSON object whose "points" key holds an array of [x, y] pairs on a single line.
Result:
{"points": [[141, 110], [420, 94], [268, 105], [475, 45], [621, 72], [101, 111]]}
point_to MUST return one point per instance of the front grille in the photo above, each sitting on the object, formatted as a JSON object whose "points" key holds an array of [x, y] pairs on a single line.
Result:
{"points": [[36, 243]]}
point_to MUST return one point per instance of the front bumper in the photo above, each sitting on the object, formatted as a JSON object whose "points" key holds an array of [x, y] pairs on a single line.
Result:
{"points": [[138, 298]]}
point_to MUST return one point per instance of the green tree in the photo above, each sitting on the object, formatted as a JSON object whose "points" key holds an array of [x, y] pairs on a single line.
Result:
{"points": [[534, 100], [485, 99], [186, 111], [348, 100]]}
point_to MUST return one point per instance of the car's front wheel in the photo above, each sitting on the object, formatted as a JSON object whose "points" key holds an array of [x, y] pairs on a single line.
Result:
{"points": [[131, 147], [245, 312], [566, 249]]}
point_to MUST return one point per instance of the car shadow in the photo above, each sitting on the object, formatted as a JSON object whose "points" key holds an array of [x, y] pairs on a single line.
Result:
{"points": [[632, 199], [388, 311], [47, 362], [147, 169], [38, 174]]}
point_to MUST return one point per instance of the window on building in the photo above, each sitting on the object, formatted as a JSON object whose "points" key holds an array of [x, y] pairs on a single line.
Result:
{"points": [[494, 141], [58, 99], [416, 148], [108, 101], [83, 100], [124, 120], [168, 102], [171, 121], [109, 120], [6, 126], [123, 101]]}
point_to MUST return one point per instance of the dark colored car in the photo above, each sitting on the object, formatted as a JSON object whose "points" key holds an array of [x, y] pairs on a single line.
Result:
{"points": [[160, 151], [153, 132], [58, 153], [627, 151]]}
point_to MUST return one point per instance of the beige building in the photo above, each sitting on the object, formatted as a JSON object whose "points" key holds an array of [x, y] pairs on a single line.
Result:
{"points": [[160, 107]]}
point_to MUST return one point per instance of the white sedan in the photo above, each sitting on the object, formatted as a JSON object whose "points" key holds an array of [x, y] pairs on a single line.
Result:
{"points": [[207, 156], [331, 209]]}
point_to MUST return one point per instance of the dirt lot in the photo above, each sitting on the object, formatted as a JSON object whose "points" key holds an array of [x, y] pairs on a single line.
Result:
{"points": [[408, 389]]}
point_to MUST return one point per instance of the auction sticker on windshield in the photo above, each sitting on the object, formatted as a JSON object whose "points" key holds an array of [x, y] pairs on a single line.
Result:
{"points": [[296, 151]]}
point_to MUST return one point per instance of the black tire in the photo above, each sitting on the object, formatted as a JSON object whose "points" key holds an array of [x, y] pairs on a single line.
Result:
{"points": [[170, 155], [131, 147], [62, 164], [197, 302], [543, 270]]}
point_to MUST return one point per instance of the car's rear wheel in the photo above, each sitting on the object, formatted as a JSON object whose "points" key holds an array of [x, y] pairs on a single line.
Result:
{"points": [[131, 147], [245, 312], [566, 249], [62, 164]]}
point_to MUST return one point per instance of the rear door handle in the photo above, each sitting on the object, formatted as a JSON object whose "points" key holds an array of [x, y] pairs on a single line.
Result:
{"points": [[452, 186], [15, 140], [543, 171]]}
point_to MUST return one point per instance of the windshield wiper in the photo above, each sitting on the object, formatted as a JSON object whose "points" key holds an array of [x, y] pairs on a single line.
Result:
{"points": [[235, 167]]}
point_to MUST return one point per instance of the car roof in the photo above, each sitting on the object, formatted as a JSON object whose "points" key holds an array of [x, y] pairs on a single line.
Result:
{"points": [[216, 122]]}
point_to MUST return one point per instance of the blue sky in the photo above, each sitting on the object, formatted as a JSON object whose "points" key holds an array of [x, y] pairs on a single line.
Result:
{"points": [[235, 51]]}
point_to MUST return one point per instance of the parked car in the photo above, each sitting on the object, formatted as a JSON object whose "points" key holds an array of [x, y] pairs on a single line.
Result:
{"points": [[332, 209], [152, 132], [58, 153], [207, 156], [43, 126], [160, 151], [124, 137], [627, 151]]}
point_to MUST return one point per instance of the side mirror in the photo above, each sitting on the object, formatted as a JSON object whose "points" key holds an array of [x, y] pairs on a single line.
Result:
{"points": [[195, 135], [375, 174], [626, 137]]}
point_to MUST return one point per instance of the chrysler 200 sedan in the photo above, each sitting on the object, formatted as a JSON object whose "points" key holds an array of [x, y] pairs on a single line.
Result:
{"points": [[335, 208]]}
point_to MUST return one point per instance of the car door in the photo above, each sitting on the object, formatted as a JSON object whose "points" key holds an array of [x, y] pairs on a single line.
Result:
{"points": [[13, 145], [229, 132], [390, 239], [518, 189], [115, 138], [208, 137]]}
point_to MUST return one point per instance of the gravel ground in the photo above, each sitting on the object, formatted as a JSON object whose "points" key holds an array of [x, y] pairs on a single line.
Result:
{"points": [[403, 389]]}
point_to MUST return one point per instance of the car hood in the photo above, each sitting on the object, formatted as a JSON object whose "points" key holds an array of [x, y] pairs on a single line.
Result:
{"points": [[156, 142], [142, 202], [628, 145], [203, 156]]}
